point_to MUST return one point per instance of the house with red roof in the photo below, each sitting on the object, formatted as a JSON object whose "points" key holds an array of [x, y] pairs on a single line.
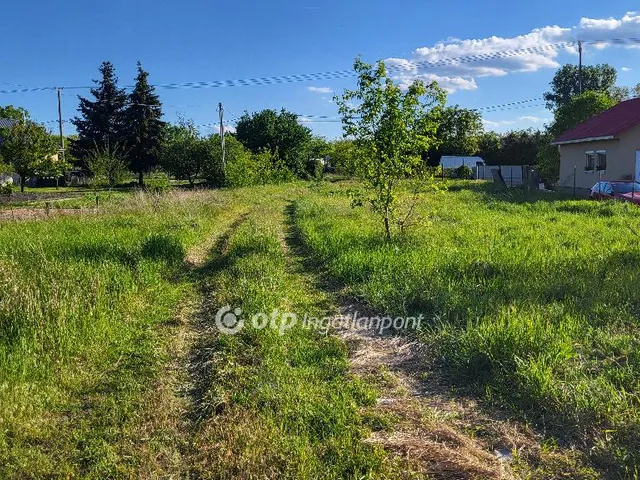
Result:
{"points": [[605, 147]]}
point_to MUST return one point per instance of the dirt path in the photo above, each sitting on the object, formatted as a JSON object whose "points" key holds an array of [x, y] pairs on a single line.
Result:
{"points": [[438, 432]]}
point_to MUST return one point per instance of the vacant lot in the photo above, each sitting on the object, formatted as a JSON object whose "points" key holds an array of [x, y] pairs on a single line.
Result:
{"points": [[111, 365]]}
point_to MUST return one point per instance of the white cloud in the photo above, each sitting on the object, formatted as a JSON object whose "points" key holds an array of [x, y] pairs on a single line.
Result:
{"points": [[229, 129], [498, 124], [626, 69], [303, 120], [533, 119], [536, 50], [320, 89]]}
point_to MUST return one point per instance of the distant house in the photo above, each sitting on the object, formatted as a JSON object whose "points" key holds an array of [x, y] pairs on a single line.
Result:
{"points": [[605, 147], [453, 161]]}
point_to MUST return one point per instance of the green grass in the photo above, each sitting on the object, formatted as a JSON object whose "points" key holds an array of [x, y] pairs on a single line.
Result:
{"points": [[531, 298], [80, 303], [285, 405]]}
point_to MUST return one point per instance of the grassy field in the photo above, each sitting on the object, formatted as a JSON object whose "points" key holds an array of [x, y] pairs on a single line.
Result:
{"points": [[531, 303], [533, 300]]}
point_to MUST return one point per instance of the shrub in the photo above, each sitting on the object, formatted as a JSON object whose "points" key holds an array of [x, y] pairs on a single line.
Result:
{"points": [[463, 172]]}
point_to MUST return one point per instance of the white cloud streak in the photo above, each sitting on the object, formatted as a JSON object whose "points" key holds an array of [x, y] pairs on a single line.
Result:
{"points": [[497, 124], [541, 52], [534, 119], [626, 69], [324, 90]]}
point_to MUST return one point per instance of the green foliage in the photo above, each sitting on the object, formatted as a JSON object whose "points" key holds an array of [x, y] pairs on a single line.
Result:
{"points": [[6, 189], [520, 147], [144, 129], [84, 300], [343, 156], [246, 168], [27, 146], [580, 108], [276, 132], [107, 166], [463, 172], [541, 320], [234, 154], [183, 151], [391, 128], [548, 161], [490, 148], [565, 83], [14, 113], [458, 132], [102, 121]]}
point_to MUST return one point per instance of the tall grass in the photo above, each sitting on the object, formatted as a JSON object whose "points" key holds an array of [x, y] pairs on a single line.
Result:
{"points": [[80, 299], [533, 299]]}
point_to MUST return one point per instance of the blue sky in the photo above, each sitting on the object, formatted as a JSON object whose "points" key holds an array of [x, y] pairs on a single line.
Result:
{"points": [[63, 43]]}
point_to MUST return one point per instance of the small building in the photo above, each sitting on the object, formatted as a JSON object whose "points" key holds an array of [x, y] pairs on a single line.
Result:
{"points": [[605, 147], [453, 161]]}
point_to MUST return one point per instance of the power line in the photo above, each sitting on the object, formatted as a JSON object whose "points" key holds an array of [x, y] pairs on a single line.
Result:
{"points": [[274, 80]]}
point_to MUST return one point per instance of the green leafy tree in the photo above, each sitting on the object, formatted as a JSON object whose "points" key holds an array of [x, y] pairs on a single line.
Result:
{"points": [[520, 147], [107, 165], [51, 166], [14, 113], [145, 129], [235, 154], [391, 128], [25, 147], [579, 109], [276, 132], [459, 131], [102, 120], [183, 154], [566, 85], [490, 148], [343, 157]]}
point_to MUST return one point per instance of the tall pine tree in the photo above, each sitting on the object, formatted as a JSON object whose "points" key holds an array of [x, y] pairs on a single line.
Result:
{"points": [[101, 124], [144, 128]]}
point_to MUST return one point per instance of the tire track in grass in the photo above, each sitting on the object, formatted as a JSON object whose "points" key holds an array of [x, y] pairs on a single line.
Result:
{"points": [[163, 437], [424, 422]]}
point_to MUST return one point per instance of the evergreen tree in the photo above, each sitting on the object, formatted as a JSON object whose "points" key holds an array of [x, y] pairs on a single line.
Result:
{"points": [[101, 124], [144, 128]]}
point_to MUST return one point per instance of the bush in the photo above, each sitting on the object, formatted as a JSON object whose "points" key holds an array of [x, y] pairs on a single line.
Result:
{"points": [[6, 189], [315, 168], [245, 169], [463, 172]]}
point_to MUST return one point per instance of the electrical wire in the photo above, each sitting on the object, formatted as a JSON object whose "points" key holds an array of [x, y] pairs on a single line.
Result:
{"points": [[410, 66]]}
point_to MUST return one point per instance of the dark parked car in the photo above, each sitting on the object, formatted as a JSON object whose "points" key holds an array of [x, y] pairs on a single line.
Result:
{"points": [[626, 191]]}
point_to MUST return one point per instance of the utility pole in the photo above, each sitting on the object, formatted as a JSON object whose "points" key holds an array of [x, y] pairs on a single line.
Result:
{"points": [[221, 113], [580, 66], [60, 123]]}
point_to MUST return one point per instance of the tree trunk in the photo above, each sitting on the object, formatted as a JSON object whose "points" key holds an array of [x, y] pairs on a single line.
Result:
{"points": [[387, 228], [140, 179], [22, 182]]}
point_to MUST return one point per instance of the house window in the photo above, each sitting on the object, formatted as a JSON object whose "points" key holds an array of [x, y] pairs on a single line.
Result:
{"points": [[590, 161], [601, 160]]}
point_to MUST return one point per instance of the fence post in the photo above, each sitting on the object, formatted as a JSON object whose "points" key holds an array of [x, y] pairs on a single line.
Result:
{"points": [[575, 172], [47, 207], [97, 202]]}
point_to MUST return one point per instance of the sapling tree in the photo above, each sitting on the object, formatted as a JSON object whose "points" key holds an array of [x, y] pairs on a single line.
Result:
{"points": [[107, 165], [390, 126]]}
